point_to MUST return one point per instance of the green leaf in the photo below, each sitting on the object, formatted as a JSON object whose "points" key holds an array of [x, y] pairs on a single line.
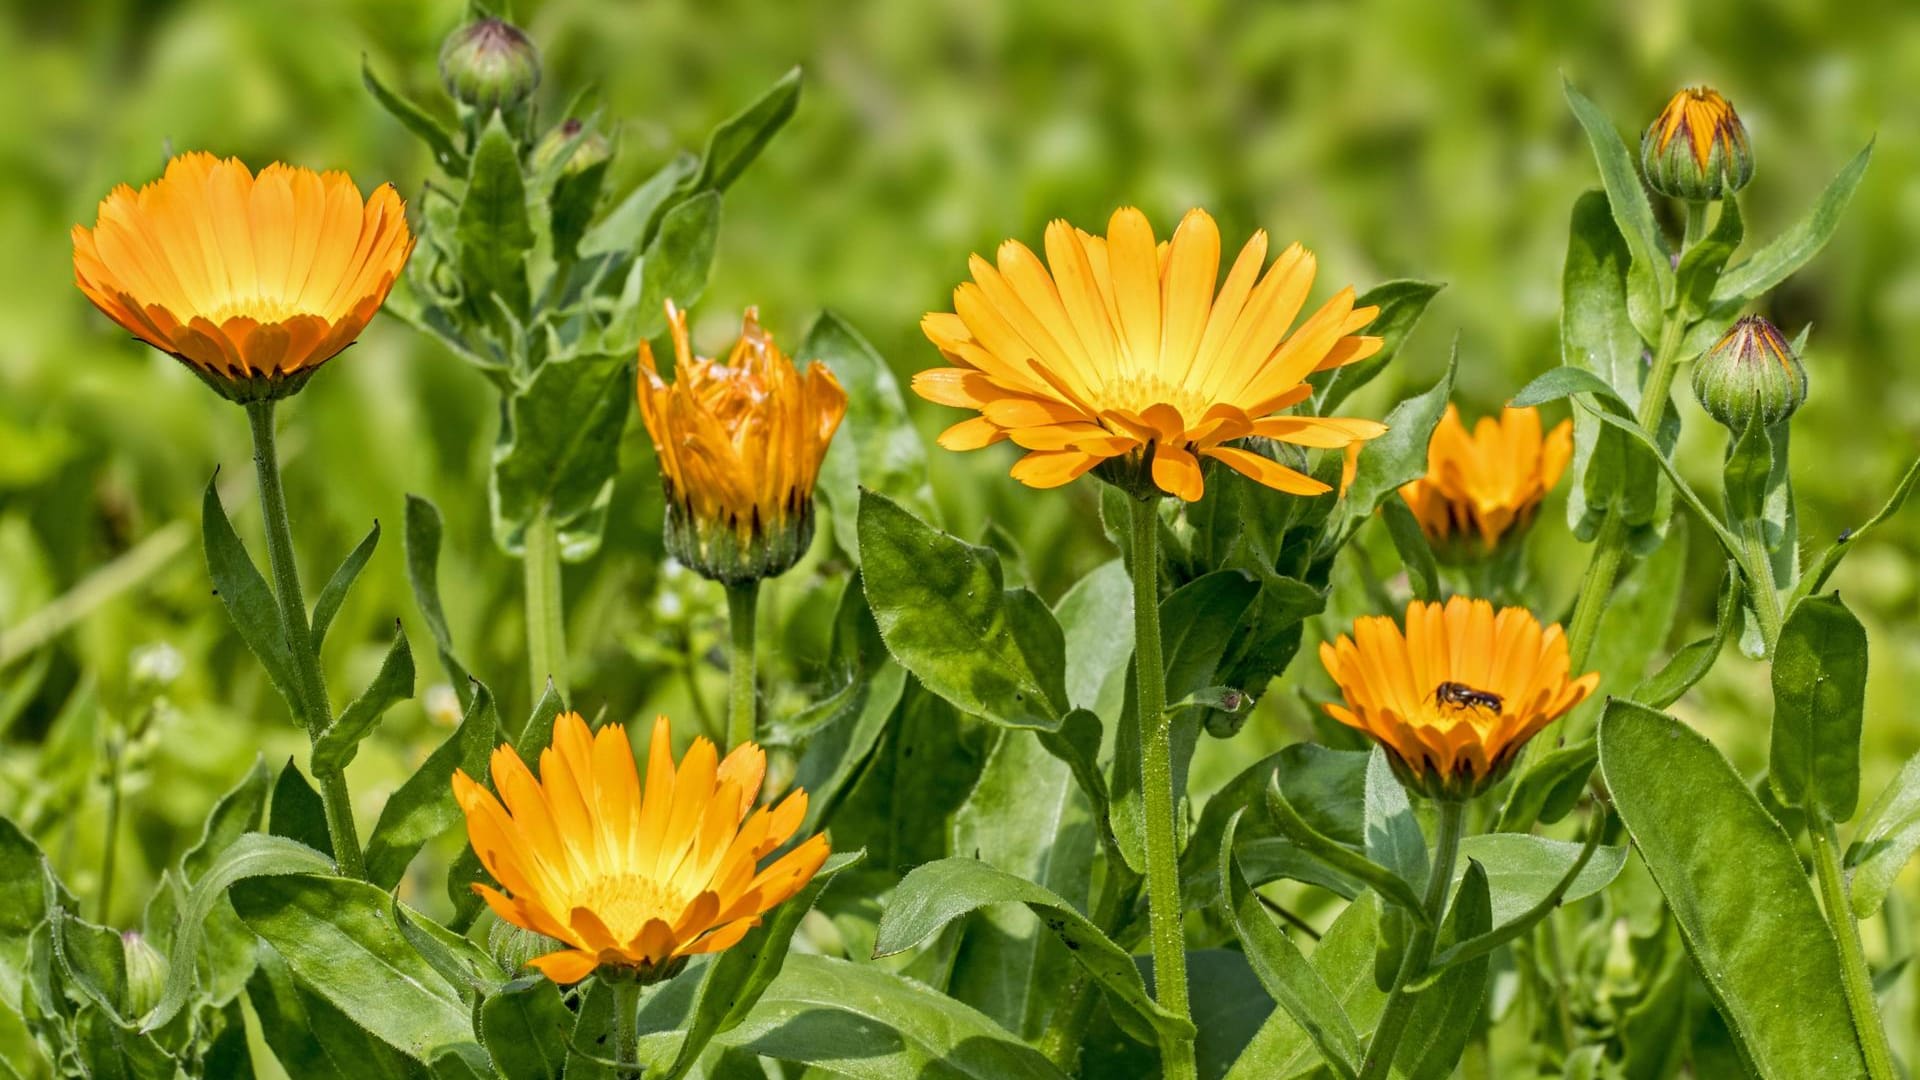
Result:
{"points": [[91, 959], [561, 445], [1737, 888], [1563, 382], [1091, 614], [677, 262], [415, 119], [1393, 459], [575, 197], [739, 139], [423, 807], [1887, 838], [296, 811], [1393, 841], [422, 542], [1326, 787], [1444, 1013], [861, 1021], [1692, 662], [1749, 463], [1792, 249], [494, 232], [1338, 856], [1819, 696], [1294, 984], [1281, 1049], [1527, 877], [252, 855], [945, 616], [937, 893], [328, 605], [525, 1028], [1597, 335], [464, 965], [1633, 432], [1416, 555], [336, 936], [1625, 197], [239, 811], [24, 903], [314, 1040], [1401, 304], [877, 446], [733, 982], [1816, 577], [1635, 625], [392, 684], [247, 598], [840, 747]]}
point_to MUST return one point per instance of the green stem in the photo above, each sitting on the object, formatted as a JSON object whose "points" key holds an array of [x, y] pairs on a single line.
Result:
{"points": [[116, 747], [743, 610], [316, 712], [1610, 547], [1066, 1031], [1156, 785], [1413, 966], [626, 1026], [1856, 979], [1764, 593], [546, 620]]}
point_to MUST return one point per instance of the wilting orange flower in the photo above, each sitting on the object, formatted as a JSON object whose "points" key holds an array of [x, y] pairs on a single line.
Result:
{"points": [[1455, 697], [629, 877], [1489, 483], [253, 281], [1118, 354], [740, 446]]}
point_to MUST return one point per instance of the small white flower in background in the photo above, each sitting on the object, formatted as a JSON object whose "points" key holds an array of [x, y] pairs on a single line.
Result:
{"points": [[443, 705], [157, 664]]}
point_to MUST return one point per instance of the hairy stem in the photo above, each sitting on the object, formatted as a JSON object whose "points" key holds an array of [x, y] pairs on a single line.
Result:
{"points": [[1156, 785], [110, 848], [1762, 588], [1856, 979], [546, 618], [1413, 966], [743, 611], [626, 1027], [314, 709]]}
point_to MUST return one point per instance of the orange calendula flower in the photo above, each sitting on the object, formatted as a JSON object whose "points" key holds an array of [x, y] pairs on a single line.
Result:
{"points": [[1484, 486], [1455, 697], [629, 877], [253, 281], [1118, 354], [740, 446], [1697, 148]]}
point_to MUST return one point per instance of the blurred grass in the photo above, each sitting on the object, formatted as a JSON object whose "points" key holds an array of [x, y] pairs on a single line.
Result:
{"points": [[1394, 137]]}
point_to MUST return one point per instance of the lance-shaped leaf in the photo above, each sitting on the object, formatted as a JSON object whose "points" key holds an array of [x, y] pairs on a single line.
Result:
{"points": [[296, 811], [247, 598], [415, 119], [1416, 555], [337, 937], [1625, 197], [525, 1026], [1393, 840], [877, 446], [1401, 304], [1443, 1016], [933, 895], [1816, 576], [392, 684], [735, 143], [237, 813], [1527, 877], [1887, 839], [674, 267], [335, 591], [1393, 459], [299, 1025], [1737, 888], [422, 541], [423, 807], [945, 615], [1550, 787], [495, 235], [561, 445], [1293, 983], [1819, 695], [1692, 662], [252, 855], [1338, 856], [1792, 249], [734, 980]]}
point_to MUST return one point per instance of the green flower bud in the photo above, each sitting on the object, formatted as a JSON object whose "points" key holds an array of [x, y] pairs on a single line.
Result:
{"points": [[146, 974], [1750, 373], [514, 948], [588, 150], [489, 65], [1697, 148]]}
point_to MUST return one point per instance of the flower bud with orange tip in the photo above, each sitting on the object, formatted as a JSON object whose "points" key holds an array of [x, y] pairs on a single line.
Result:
{"points": [[1697, 148], [1132, 358], [489, 64], [740, 445], [252, 281], [1454, 696], [1750, 374], [631, 879], [1482, 489]]}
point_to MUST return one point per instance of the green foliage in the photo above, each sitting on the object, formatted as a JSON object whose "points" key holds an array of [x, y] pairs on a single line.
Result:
{"points": [[1819, 693]]}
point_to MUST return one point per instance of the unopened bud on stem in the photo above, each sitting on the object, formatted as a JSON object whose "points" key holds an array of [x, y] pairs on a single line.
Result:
{"points": [[1750, 373], [489, 65], [1697, 148]]}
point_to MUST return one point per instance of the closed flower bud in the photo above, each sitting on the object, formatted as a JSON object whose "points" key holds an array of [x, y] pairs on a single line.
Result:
{"points": [[489, 65], [587, 150], [1697, 149], [1751, 373], [515, 949], [146, 974]]}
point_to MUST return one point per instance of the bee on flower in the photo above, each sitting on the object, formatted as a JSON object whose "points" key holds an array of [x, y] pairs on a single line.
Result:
{"points": [[1482, 489], [1454, 696]]}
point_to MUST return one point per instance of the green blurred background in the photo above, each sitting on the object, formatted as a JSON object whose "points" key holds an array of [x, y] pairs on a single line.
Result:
{"points": [[1398, 138]]}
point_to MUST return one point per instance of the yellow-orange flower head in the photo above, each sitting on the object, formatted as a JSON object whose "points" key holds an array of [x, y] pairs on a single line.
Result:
{"points": [[632, 879], [1697, 148], [1483, 487], [1117, 354], [1455, 697], [254, 282], [740, 446]]}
